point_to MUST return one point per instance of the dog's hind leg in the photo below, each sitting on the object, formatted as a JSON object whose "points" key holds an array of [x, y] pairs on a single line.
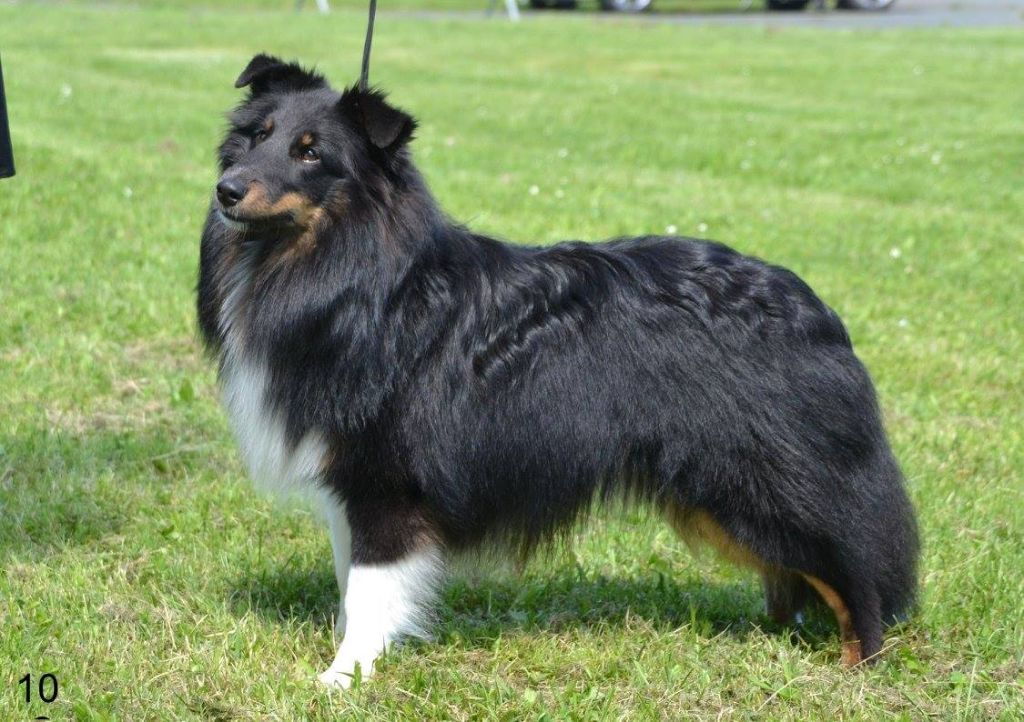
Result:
{"points": [[852, 654], [856, 609], [859, 620], [785, 594]]}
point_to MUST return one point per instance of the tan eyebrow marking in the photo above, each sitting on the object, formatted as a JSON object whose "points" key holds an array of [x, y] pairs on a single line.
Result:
{"points": [[307, 139]]}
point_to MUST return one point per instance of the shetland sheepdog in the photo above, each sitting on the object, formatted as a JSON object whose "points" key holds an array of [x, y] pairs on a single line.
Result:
{"points": [[440, 391]]}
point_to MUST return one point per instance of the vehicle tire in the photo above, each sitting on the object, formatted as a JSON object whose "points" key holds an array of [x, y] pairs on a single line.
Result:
{"points": [[626, 6], [874, 5], [787, 4], [553, 4]]}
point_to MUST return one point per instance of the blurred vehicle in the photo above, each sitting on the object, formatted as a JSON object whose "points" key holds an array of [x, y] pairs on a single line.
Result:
{"points": [[636, 6], [841, 4]]}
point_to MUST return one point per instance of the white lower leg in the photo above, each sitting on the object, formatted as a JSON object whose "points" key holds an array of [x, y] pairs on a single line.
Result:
{"points": [[341, 545], [384, 602]]}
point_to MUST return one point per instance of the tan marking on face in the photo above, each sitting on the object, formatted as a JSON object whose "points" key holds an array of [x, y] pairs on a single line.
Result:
{"points": [[306, 140], [291, 249], [301, 207], [298, 240], [851, 656], [306, 241], [257, 204]]}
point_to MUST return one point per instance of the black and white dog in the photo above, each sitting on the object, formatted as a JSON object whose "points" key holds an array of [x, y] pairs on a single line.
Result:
{"points": [[443, 391]]}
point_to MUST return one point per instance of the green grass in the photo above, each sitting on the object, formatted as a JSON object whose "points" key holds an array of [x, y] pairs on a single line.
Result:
{"points": [[135, 562]]}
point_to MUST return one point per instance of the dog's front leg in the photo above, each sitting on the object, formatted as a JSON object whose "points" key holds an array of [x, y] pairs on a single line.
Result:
{"points": [[341, 546], [383, 600]]}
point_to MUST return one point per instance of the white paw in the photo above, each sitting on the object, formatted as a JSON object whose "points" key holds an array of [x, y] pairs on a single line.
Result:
{"points": [[343, 672], [335, 680]]}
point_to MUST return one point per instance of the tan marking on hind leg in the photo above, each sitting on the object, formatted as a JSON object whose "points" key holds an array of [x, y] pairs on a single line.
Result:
{"points": [[698, 528], [851, 645]]}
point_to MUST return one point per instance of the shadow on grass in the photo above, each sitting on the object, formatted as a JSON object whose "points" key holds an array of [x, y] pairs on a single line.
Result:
{"points": [[472, 614], [291, 592]]}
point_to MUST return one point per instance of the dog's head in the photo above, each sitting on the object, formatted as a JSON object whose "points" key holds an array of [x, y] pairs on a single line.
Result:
{"points": [[298, 151]]}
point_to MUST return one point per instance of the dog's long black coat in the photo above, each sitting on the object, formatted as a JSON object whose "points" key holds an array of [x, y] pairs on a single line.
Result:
{"points": [[474, 391]]}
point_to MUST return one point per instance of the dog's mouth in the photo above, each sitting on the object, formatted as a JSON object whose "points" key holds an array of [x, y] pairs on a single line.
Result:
{"points": [[252, 224]]}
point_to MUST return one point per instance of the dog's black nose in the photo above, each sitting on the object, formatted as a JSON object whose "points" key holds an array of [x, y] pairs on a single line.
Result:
{"points": [[230, 191]]}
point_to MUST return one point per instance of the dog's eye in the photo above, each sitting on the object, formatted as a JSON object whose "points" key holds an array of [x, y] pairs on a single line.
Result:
{"points": [[310, 155], [260, 135]]}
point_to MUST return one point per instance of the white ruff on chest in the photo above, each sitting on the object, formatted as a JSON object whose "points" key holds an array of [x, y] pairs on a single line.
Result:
{"points": [[274, 465]]}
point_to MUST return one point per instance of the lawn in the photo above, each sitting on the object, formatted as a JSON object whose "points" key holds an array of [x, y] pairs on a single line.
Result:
{"points": [[137, 565]]}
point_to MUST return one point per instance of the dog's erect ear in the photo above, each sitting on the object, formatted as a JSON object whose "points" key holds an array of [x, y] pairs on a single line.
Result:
{"points": [[385, 126], [265, 72]]}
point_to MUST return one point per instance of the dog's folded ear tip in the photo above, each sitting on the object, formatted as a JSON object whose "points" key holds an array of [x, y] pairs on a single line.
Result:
{"points": [[259, 63], [265, 71], [386, 126]]}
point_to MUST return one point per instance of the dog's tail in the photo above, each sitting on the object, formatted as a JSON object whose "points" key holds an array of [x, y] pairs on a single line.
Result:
{"points": [[898, 538]]}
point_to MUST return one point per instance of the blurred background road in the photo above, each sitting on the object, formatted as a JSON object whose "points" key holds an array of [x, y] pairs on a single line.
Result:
{"points": [[904, 14]]}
